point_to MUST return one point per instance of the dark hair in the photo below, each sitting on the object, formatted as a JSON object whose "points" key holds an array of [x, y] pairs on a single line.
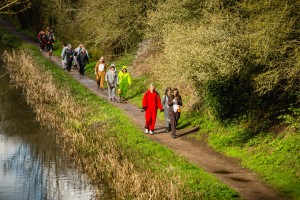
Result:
{"points": [[167, 89], [175, 89]]}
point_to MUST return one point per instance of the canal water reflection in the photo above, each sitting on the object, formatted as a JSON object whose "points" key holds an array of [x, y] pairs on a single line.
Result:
{"points": [[31, 163]]}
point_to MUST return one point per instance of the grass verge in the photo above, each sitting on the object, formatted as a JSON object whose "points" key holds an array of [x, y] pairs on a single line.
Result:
{"points": [[103, 141]]}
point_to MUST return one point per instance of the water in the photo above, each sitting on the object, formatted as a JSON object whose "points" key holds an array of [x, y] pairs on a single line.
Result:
{"points": [[32, 165]]}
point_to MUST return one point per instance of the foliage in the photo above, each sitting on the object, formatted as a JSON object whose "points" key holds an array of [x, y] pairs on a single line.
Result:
{"points": [[9, 40], [293, 119], [12, 7], [237, 57]]}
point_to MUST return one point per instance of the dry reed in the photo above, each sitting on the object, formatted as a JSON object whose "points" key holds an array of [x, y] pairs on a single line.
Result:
{"points": [[96, 153]]}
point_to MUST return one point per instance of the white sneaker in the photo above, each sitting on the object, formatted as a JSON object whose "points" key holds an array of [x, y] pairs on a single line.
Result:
{"points": [[146, 130], [151, 132]]}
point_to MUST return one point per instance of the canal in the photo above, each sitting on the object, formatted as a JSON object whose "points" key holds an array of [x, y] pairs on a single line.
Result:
{"points": [[32, 166]]}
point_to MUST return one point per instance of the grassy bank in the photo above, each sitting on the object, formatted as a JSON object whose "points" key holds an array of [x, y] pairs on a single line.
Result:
{"points": [[273, 155], [104, 142]]}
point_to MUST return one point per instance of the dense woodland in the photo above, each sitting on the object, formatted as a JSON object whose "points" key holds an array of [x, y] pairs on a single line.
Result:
{"points": [[235, 58]]}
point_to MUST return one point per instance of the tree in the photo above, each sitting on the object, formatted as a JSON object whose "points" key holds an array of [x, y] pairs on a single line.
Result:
{"points": [[11, 7]]}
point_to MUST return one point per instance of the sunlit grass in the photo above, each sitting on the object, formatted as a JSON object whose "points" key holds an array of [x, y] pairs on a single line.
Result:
{"points": [[103, 141]]}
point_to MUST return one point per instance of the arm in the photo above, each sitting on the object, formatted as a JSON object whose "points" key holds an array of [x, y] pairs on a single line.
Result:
{"points": [[87, 58], [144, 101], [129, 79], [180, 101], [159, 105], [106, 76], [163, 100], [96, 66]]}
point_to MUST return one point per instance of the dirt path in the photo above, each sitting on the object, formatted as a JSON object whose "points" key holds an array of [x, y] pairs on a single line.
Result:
{"points": [[228, 170]]}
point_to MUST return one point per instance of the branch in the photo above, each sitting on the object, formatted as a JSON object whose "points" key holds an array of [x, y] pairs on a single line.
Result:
{"points": [[7, 5]]}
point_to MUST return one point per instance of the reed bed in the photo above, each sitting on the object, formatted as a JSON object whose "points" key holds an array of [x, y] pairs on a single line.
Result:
{"points": [[87, 142]]}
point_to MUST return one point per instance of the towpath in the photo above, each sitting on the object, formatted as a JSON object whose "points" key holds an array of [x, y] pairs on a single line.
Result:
{"points": [[228, 170]]}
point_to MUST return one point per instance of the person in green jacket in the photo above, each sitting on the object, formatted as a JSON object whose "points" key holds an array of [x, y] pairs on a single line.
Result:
{"points": [[124, 82]]}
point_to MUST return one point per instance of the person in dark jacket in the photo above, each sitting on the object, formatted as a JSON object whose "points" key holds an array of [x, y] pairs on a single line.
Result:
{"points": [[174, 102], [50, 43], [68, 55], [82, 59]]}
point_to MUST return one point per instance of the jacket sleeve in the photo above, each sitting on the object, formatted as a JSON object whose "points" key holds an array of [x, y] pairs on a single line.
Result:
{"points": [[144, 101], [163, 100], [129, 79], [159, 105], [180, 101], [106, 76], [96, 66]]}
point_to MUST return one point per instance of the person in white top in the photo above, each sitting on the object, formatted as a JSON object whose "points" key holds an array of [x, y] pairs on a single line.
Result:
{"points": [[63, 60], [100, 71], [174, 102]]}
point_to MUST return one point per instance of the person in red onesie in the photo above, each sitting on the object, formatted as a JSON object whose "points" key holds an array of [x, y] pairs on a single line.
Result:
{"points": [[150, 103]]}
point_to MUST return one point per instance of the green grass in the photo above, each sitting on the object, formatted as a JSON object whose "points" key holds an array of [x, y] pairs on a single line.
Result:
{"points": [[275, 157], [144, 153]]}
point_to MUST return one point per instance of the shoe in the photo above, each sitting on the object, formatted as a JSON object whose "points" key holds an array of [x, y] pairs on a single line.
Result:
{"points": [[110, 99], [146, 130], [151, 132], [174, 136], [167, 130]]}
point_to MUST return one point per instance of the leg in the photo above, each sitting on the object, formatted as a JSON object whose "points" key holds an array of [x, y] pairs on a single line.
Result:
{"points": [[177, 116], [83, 69], [167, 120], [109, 93], [148, 119], [173, 126], [102, 77], [113, 91], [153, 117]]}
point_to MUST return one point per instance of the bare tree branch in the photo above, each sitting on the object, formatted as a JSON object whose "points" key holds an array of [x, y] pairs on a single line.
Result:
{"points": [[6, 6]]}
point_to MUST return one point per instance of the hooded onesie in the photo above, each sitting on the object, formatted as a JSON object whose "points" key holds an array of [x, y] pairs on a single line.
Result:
{"points": [[151, 102]]}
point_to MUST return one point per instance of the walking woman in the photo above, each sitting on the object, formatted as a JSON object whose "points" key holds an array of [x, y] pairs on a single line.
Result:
{"points": [[82, 58], [150, 103], [100, 71], [174, 102], [124, 82], [112, 80], [164, 102]]}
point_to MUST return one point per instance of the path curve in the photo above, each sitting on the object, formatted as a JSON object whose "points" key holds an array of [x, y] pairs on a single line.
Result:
{"points": [[228, 170]]}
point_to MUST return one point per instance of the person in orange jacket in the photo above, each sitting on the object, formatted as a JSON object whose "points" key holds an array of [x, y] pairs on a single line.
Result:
{"points": [[100, 71], [150, 103]]}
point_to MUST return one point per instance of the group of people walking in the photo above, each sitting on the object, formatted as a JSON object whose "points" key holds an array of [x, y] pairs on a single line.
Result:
{"points": [[118, 82], [170, 104], [46, 39], [74, 57], [114, 79]]}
